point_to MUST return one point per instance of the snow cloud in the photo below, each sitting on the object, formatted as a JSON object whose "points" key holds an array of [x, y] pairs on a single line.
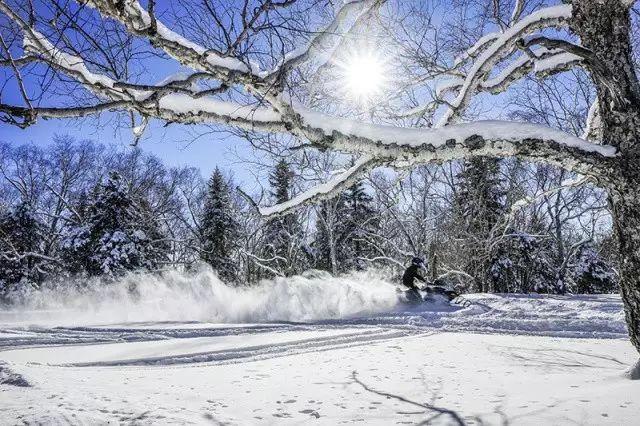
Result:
{"points": [[201, 296]]}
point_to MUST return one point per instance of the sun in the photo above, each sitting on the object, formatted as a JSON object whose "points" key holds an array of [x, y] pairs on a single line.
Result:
{"points": [[363, 76]]}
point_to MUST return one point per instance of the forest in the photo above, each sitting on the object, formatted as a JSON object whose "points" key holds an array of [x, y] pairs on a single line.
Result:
{"points": [[73, 209], [330, 211]]}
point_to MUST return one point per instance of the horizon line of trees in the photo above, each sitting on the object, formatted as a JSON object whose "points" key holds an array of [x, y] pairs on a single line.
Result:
{"points": [[81, 209]]}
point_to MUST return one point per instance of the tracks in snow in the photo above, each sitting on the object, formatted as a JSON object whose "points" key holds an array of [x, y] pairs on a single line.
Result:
{"points": [[9, 377], [260, 352], [193, 343], [189, 344], [56, 336]]}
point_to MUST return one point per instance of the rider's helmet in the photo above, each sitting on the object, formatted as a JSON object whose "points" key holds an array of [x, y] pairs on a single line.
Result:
{"points": [[418, 261]]}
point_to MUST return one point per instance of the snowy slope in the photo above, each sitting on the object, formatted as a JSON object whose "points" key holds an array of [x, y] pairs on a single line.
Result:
{"points": [[516, 359]]}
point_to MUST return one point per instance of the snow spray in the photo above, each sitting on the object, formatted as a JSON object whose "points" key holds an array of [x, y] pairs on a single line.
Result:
{"points": [[201, 296]]}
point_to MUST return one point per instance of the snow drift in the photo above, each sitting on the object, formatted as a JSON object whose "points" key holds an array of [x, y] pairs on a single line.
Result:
{"points": [[201, 296]]}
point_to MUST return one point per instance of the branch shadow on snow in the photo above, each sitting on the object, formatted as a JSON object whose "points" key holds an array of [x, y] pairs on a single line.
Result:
{"points": [[562, 358], [437, 414], [433, 411], [8, 377]]}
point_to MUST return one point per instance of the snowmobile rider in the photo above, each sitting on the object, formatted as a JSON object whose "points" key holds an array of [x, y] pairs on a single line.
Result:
{"points": [[411, 274]]}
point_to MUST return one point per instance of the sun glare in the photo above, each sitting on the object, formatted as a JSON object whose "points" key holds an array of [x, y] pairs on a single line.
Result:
{"points": [[363, 75]]}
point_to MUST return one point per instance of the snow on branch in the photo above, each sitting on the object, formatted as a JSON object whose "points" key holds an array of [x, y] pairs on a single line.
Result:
{"points": [[139, 22], [543, 62], [171, 108], [478, 46], [346, 18], [37, 44], [486, 138], [189, 109], [493, 48], [161, 101], [338, 183], [228, 70], [501, 45], [392, 137], [518, 8]]}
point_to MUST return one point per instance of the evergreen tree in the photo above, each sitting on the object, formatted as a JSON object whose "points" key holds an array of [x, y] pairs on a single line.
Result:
{"points": [[219, 229], [477, 210], [283, 234], [117, 233], [521, 264], [591, 274], [344, 228], [21, 243], [362, 222]]}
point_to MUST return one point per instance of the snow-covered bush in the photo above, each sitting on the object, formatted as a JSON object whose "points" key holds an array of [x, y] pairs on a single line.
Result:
{"points": [[521, 265], [591, 274]]}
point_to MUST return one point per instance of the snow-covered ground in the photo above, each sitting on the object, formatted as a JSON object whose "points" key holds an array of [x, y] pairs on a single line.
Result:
{"points": [[356, 356]]}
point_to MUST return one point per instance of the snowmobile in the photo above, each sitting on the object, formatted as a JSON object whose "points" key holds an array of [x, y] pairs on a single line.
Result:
{"points": [[432, 293], [411, 294], [452, 296]]}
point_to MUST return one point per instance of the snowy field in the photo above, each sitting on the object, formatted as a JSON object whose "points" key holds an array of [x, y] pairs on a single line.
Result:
{"points": [[312, 350]]}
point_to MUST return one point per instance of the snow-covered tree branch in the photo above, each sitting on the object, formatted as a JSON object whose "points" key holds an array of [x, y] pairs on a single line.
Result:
{"points": [[273, 110]]}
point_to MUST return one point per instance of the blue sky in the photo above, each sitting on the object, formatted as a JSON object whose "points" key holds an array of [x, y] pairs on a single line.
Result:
{"points": [[176, 145]]}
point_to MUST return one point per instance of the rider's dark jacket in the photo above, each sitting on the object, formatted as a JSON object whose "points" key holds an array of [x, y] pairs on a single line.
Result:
{"points": [[410, 276]]}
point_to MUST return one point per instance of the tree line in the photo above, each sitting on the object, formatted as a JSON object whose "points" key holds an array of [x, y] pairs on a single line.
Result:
{"points": [[77, 209]]}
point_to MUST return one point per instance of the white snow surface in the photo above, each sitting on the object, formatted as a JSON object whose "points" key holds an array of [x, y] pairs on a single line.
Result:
{"points": [[180, 348]]}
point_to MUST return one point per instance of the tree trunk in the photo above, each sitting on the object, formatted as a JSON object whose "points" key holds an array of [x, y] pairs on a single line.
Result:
{"points": [[604, 28], [625, 209], [433, 261], [332, 253]]}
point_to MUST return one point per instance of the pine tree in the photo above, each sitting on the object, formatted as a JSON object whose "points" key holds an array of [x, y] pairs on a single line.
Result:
{"points": [[283, 235], [521, 264], [116, 235], [477, 210], [344, 228], [591, 274], [362, 222], [21, 243], [219, 229]]}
